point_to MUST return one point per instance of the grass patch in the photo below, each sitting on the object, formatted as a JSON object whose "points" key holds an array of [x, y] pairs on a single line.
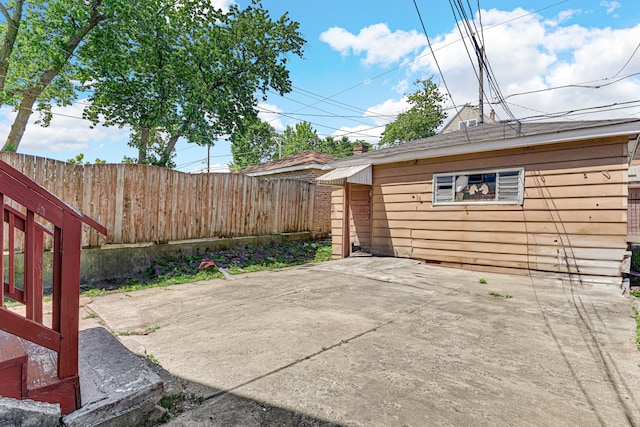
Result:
{"points": [[635, 293], [90, 316], [499, 295], [153, 359], [147, 331], [168, 271], [482, 281], [636, 315]]}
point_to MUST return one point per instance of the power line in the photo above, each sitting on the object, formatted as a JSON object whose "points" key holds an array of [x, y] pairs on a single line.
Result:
{"points": [[424, 29]]}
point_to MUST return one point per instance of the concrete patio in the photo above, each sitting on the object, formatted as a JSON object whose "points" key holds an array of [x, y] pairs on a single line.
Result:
{"points": [[388, 342]]}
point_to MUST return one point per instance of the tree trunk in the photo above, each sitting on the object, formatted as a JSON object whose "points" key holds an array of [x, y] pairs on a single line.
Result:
{"points": [[13, 23], [20, 122], [32, 93], [166, 153], [144, 143]]}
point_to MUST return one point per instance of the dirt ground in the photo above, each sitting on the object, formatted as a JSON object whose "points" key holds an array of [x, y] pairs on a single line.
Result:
{"points": [[388, 342]]}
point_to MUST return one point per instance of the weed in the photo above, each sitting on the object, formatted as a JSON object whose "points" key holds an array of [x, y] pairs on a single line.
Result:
{"points": [[499, 295], [151, 330], [153, 359], [147, 331], [90, 316], [637, 317], [482, 281], [636, 293]]}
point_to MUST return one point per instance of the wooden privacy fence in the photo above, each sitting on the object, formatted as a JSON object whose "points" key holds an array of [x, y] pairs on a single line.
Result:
{"points": [[142, 203]]}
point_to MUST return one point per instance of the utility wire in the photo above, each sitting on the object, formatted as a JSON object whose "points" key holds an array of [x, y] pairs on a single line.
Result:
{"points": [[444, 82]]}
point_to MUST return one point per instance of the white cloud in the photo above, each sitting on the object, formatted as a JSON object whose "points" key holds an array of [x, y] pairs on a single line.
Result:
{"points": [[563, 16], [527, 53], [377, 42], [361, 132], [385, 112], [67, 132], [271, 114], [611, 6], [222, 4]]}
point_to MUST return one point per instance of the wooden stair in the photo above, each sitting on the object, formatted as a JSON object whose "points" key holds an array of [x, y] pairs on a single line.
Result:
{"points": [[29, 371]]}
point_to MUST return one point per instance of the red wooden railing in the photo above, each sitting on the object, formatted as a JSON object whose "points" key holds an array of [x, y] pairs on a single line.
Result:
{"points": [[32, 213]]}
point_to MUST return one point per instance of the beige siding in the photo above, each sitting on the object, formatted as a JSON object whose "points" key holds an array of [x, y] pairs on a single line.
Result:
{"points": [[574, 216], [337, 209]]}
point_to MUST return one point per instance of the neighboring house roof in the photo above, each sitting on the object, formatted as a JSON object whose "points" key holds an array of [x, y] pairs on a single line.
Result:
{"points": [[213, 169], [497, 136], [466, 113], [308, 159]]}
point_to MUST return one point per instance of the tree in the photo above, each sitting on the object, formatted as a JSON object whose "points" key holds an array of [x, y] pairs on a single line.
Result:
{"points": [[342, 147], [300, 137], [39, 68], [421, 120], [13, 16], [254, 144], [190, 71]]}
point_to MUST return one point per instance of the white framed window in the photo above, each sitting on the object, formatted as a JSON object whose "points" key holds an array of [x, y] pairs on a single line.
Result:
{"points": [[467, 124], [498, 186]]}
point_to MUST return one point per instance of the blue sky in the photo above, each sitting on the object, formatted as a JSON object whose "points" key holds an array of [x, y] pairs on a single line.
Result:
{"points": [[548, 58]]}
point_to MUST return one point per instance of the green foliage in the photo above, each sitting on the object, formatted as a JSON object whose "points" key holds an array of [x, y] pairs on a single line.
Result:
{"points": [[254, 143], [40, 66], [421, 120], [299, 138], [168, 271], [79, 160], [637, 317], [153, 359], [257, 142], [189, 72], [482, 281], [499, 295]]}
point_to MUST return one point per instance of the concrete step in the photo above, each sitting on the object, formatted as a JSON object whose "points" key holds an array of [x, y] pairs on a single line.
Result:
{"points": [[117, 387]]}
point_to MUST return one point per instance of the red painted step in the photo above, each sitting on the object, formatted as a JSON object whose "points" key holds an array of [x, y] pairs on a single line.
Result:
{"points": [[29, 371], [13, 372], [42, 379]]}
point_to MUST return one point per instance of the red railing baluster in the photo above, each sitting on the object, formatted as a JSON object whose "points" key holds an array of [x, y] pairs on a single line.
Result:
{"points": [[2, 252], [29, 271], [38, 288], [12, 245], [56, 288]]}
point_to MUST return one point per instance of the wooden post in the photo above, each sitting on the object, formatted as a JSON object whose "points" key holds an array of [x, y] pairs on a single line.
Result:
{"points": [[69, 296], [346, 229]]}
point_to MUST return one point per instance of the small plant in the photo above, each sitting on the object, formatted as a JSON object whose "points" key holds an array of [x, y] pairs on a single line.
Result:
{"points": [[151, 330], [482, 281], [635, 293], [90, 316], [636, 315], [499, 295], [153, 359]]}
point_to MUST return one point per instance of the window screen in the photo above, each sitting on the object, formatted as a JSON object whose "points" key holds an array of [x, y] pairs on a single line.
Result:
{"points": [[497, 186]]}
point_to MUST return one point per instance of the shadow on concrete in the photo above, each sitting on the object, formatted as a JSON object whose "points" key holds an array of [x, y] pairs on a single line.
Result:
{"points": [[204, 405]]}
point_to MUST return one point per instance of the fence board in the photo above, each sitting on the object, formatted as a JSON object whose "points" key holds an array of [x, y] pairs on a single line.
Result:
{"points": [[142, 204]]}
